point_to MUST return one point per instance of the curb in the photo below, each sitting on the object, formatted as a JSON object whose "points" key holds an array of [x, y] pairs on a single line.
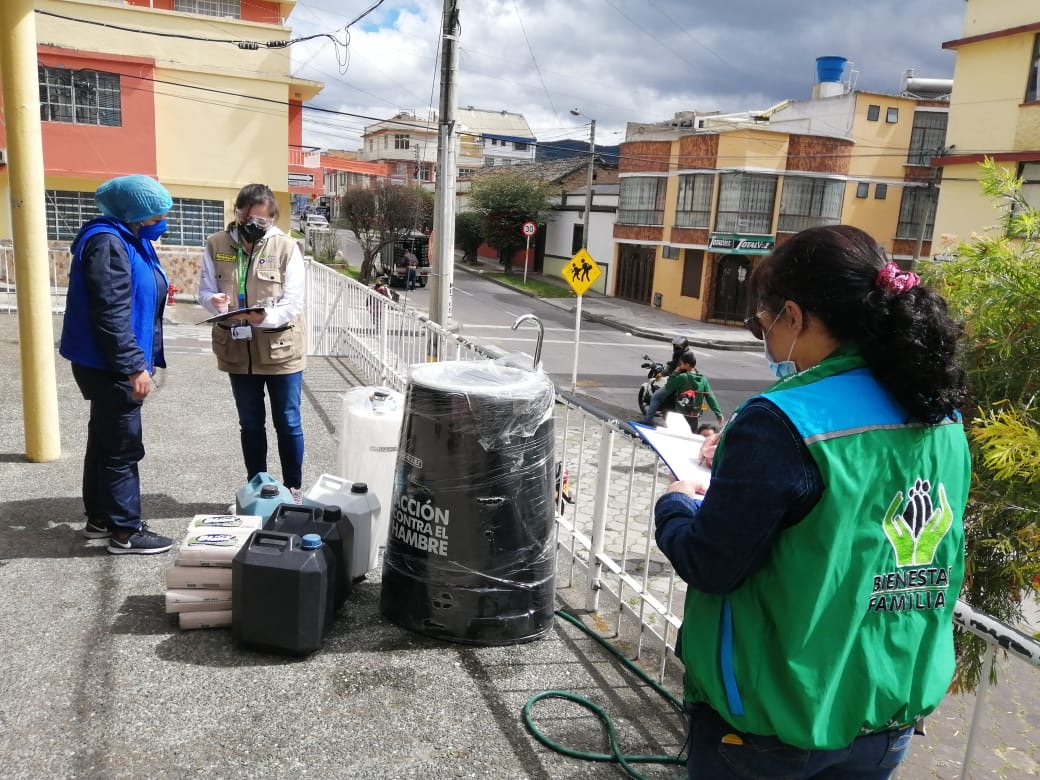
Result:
{"points": [[645, 333]]}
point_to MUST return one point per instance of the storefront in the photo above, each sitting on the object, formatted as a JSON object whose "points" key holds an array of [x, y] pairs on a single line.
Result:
{"points": [[732, 261]]}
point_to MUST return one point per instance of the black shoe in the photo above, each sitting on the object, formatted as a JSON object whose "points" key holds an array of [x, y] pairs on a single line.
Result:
{"points": [[141, 542], [96, 529]]}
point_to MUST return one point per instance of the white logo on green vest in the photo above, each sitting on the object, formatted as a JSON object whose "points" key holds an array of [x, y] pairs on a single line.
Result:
{"points": [[916, 528]]}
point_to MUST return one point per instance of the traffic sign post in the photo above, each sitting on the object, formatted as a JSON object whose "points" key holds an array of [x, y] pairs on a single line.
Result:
{"points": [[580, 273], [529, 229]]}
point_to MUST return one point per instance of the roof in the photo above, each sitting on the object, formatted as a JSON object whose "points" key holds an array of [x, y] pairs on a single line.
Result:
{"points": [[501, 124], [548, 171]]}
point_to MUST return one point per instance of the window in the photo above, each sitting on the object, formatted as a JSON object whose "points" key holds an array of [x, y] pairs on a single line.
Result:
{"points": [[880, 191], [927, 136], [873, 113], [519, 146], [641, 200], [66, 212], [371, 144], [862, 189], [746, 203], [577, 231], [192, 220], [83, 97], [694, 206], [489, 162], [806, 203], [917, 208], [670, 252], [892, 116], [693, 268], [1030, 192], [401, 140], [230, 8], [386, 140], [494, 142], [1033, 83]]}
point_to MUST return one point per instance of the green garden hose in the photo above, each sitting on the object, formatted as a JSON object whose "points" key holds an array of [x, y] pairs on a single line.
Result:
{"points": [[615, 756]]}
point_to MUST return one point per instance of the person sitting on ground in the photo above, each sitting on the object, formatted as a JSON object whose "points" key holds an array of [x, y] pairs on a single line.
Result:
{"points": [[690, 390]]}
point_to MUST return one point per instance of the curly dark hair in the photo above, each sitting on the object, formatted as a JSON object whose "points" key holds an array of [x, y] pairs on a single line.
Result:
{"points": [[907, 337]]}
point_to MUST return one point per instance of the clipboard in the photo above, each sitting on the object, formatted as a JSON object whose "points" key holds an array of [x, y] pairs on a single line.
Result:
{"points": [[681, 453], [232, 314]]}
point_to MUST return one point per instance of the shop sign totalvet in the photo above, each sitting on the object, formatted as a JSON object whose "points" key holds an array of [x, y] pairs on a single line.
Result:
{"points": [[725, 243]]}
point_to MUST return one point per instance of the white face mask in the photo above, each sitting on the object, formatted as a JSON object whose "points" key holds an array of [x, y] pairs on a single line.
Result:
{"points": [[783, 368]]}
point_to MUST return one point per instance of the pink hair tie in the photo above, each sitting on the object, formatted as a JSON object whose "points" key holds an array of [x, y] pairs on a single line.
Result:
{"points": [[893, 280]]}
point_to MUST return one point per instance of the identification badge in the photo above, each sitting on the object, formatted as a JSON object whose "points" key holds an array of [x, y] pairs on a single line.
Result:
{"points": [[241, 332]]}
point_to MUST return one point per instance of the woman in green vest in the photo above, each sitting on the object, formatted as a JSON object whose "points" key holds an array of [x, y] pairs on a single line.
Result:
{"points": [[825, 559]]}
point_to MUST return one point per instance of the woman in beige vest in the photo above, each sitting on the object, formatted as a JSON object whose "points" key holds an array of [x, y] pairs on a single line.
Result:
{"points": [[254, 264]]}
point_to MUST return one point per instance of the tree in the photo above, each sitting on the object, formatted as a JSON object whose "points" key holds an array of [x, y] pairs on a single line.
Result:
{"points": [[380, 216], [992, 284], [469, 234], [507, 200]]}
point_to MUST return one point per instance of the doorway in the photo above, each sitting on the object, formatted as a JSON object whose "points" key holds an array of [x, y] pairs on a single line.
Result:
{"points": [[731, 288], [635, 274]]}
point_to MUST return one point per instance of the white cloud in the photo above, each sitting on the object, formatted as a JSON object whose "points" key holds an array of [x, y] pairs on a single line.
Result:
{"points": [[615, 60]]}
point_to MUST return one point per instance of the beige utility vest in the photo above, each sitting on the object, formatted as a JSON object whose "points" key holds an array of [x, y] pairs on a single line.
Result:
{"points": [[270, 350]]}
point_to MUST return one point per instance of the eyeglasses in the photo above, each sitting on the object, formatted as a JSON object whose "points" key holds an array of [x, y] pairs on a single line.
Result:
{"points": [[753, 323], [246, 219]]}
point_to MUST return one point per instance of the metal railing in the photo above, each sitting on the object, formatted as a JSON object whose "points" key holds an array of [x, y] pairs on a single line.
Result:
{"points": [[606, 534]]}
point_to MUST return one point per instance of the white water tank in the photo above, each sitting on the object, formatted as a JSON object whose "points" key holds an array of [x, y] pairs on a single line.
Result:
{"points": [[369, 430]]}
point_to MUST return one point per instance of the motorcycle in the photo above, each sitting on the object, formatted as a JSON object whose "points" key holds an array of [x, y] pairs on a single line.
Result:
{"points": [[654, 379]]}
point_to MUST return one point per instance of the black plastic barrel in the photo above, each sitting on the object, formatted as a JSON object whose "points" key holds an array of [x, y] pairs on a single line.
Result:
{"points": [[470, 555], [335, 531], [280, 600]]}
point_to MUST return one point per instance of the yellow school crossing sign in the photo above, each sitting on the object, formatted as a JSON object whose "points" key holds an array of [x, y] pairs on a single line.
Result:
{"points": [[581, 272]]}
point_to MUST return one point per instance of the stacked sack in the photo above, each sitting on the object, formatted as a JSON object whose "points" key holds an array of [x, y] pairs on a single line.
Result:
{"points": [[198, 582]]}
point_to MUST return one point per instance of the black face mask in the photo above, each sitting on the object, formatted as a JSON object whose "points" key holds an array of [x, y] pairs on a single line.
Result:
{"points": [[251, 233]]}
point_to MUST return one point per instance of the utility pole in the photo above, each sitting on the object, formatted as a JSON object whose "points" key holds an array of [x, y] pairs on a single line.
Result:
{"points": [[922, 209], [29, 229], [442, 278], [588, 184]]}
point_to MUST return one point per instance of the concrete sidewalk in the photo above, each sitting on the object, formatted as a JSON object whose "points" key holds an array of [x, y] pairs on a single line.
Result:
{"points": [[99, 683]]}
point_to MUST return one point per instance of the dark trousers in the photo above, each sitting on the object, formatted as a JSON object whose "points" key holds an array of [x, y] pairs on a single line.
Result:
{"points": [[285, 391], [111, 485], [719, 752], [412, 278]]}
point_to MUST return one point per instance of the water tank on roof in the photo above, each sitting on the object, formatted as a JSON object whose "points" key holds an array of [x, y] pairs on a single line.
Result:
{"points": [[830, 68]]}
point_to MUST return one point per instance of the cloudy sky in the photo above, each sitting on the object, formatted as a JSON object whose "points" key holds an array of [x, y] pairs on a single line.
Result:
{"points": [[615, 60]]}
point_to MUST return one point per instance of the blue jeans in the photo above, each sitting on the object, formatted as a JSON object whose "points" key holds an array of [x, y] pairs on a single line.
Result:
{"points": [[659, 396], [412, 278], [871, 757], [285, 391], [111, 485]]}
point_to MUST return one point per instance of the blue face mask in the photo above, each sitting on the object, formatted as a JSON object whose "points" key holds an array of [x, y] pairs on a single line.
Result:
{"points": [[784, 368], [152, 232]]}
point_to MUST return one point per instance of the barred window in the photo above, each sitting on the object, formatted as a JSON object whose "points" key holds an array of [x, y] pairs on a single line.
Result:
{"points": [[232, 8], [927, 136], [694, 206], [641, 200], [192, 220], [916, 208], [66, 213], [806, 202], [746, 203], [82, 97]]}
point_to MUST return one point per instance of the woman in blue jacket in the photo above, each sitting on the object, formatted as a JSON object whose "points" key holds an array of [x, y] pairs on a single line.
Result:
{"points": [[112, 334]]}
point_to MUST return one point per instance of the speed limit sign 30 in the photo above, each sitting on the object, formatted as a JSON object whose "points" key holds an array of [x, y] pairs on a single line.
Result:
{"points": [[529, 229]]}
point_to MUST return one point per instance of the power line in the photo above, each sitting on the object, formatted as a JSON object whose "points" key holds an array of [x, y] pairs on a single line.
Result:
{"points": [[535, 61]]}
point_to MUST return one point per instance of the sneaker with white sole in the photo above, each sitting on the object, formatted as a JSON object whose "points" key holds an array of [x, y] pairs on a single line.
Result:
{"points": [[143, 541], [297, 495], [96, 529]]}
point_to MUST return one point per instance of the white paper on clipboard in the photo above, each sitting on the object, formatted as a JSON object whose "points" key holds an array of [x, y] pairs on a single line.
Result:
{"points": [[681, 453]]}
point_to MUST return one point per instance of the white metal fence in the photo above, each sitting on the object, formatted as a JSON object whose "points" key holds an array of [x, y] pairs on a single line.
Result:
{"points": [[606, 535]]}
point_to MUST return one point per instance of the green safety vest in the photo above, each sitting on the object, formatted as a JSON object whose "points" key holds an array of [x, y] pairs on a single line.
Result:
{"points": [[847, 628]]}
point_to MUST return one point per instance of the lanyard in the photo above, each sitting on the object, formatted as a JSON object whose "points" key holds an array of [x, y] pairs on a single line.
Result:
{"points": [[243, 269]]}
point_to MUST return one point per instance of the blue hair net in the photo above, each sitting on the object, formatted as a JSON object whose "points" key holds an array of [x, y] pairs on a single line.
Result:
{"points": [[132, 198]]}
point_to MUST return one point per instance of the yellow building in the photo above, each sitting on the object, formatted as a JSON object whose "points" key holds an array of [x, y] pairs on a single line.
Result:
{"points": [[994, 112], [703, 196], [133, 87]]}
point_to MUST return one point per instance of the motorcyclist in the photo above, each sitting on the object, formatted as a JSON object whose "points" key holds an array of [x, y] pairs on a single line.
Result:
{"points": [[686, 378], [679, 345]]}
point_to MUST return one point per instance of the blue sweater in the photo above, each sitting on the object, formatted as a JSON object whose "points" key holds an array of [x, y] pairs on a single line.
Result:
{"points": [[115, 301], [765, 481]]}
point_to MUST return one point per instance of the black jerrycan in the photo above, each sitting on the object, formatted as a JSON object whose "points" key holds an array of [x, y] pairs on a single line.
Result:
{"points": [[336, 531]]}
